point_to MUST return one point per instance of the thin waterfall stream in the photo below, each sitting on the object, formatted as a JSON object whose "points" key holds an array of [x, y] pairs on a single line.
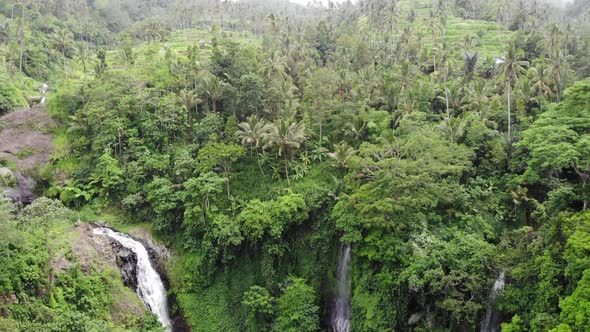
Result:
{"points": [[492, 319], [150, 287], [341, 310]]}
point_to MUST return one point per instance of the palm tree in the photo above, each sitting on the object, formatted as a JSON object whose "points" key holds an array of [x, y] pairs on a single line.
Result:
{"points": [[275, 66], [341, 155], [63, 43], [553, 40], [152, 30], [470, 57], [213, 87], [189, 101], [454, 128], [525, 92], [541, 82], [501, 9], [477, 98], [357, 128], [558, 68], [452, 99], [251, 133], [434, 26], [511, 67], [285, 135], [390, 19]]}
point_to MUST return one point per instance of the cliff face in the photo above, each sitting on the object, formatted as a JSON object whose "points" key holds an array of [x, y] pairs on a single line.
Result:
{"points": [[25, 144]]}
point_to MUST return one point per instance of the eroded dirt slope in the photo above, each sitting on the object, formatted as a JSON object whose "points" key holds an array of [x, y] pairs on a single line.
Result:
{"points": [[25, 137]]}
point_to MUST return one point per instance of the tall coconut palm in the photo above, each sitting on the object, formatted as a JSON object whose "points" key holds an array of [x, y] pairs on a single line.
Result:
{"points": [[553, 39], [559, 68], [213, 87], [477, 97], [524, 92], [390, 19], [62, 42], [189, 101], [252, 132], [541, 82], [434, 27], [452, 99], [286, 136], [511, 66], [275, 66]]}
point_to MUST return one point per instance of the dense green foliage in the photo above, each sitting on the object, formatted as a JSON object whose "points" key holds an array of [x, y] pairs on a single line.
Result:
{"points": [[445, 141], [37, 297]]}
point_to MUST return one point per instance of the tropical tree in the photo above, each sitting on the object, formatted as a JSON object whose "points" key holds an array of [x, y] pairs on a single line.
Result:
{"points": [[559, 69], [560, 139], [286, 135], [189, 101], [511, 67], [63, 42], [251, 133], [341, 155], [541, 82], [213, 87]]}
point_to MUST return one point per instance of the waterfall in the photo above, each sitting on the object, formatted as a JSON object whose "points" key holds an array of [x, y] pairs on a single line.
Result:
{"points": [[341, 309], [492, 319], [149, 284]]}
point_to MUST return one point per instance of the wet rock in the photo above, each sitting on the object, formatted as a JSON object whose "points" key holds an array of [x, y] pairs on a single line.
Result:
{"points": [[22, 192], [101, 224], [128, 263], [34, 100]]}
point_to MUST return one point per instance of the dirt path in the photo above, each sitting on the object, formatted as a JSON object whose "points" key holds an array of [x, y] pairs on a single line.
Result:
{"points": [[25, 137]]}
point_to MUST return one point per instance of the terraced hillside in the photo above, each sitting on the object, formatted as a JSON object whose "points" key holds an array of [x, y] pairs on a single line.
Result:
{"points": [[179, 42]]}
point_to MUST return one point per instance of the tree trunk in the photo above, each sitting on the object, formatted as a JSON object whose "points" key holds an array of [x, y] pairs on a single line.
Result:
{"points": [[287, 170], [448, 113], [584, 193], [22, 45], [226, 171], [320, 142], [258, 162], [434, 61], [509, 87], [584, 176]]}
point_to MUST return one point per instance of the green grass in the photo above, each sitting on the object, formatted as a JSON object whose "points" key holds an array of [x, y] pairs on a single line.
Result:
{"points": [[11, 165], [24, 154], [491, 35]]}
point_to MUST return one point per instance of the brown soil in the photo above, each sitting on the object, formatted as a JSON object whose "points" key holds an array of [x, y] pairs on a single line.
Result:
{"points": [[25, 138]]}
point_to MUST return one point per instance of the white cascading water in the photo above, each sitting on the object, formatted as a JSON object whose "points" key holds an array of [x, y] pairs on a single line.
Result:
{"points": [[492, 320], [149, 284], [341, 310]]}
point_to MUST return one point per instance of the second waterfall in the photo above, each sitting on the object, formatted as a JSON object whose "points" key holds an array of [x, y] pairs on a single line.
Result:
{"points": [[341, 310]]}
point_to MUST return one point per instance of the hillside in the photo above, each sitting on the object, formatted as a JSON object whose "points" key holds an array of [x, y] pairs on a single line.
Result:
{"points": [[265, 166]]}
